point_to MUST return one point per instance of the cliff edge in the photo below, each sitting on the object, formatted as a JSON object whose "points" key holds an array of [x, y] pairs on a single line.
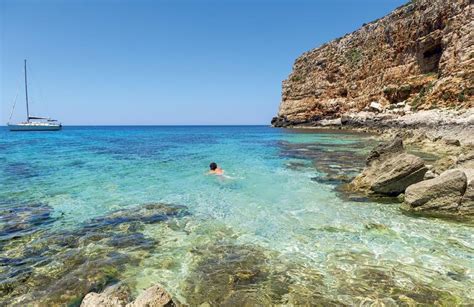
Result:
{"points": [[419, 57]]}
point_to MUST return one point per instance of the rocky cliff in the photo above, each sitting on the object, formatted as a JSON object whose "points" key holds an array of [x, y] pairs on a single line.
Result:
{"points": [[419, 57]]}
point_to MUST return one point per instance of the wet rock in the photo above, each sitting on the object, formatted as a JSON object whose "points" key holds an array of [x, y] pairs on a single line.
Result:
{"points": [[374, 284], [389, 170], [332, 179], [149, 213], [336, 162], [113, 296], [21, 220], [155, 296], [119, 296], [297, 165], [61, 267], [223, 269], [280, 122], [442, 194]]}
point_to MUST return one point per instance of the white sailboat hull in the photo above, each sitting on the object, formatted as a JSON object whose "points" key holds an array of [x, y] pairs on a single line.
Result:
{"points": [[34, 127], [33, 123]]}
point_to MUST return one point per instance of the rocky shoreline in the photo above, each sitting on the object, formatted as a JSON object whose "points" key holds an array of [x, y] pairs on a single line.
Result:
{"points": [[445, 188], [434, 125]]}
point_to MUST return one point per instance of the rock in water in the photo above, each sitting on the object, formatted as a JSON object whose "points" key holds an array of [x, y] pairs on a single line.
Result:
{"points": [[119, 296], [397, 173], [389, 170], [154, 296], [442, 194], [384, 149], [113, 296], [467, 201]]}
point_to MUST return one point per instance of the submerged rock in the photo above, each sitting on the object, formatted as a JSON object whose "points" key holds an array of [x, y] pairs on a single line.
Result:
{"points": [[222, 269], [60, 267], [224, 273], [22, 220], [389, 170], [149, 213], [336, 163], [376, 282], [443, 194]]}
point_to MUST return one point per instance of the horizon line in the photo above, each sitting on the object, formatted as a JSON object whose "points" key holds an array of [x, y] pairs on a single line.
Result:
{"points": [[158, 125]]}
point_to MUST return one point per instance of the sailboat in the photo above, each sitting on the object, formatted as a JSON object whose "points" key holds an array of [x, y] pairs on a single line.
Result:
{"points": [[34, 123]]}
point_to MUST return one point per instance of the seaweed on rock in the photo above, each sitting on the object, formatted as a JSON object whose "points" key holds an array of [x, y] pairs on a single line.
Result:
{"points": [[60, 267], [228, 274]]}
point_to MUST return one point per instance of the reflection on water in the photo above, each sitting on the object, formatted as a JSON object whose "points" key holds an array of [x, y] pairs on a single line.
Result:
{"points": [[86, 207]]}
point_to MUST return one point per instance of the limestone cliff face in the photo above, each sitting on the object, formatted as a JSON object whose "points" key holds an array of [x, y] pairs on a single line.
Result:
{"points": [[421, 54]]}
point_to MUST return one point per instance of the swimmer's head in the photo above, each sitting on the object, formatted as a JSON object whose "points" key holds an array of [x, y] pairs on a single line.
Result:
{"points": [[213, 166]]}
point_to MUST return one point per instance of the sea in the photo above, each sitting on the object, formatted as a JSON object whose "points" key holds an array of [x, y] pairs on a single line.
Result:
{"points": [[88, 207]]}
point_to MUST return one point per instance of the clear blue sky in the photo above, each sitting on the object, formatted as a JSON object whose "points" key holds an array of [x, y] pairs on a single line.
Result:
{"points": [[164, 62]]}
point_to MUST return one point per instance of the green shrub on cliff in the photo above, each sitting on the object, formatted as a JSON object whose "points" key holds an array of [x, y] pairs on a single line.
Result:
{"points": [[353, 56], [295, 78], [418, 100]]}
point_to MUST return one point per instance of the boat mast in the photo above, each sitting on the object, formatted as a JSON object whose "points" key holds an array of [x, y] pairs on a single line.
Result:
{"points": [[26, 92]]}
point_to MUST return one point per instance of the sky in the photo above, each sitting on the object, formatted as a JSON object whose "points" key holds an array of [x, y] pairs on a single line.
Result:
{"points": [[208, 62]]}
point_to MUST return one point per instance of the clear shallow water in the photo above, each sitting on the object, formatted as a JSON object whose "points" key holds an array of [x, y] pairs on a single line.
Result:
{"points": [[275, 232]]}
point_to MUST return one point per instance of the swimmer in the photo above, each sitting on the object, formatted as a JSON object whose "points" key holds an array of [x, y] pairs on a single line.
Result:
{"points": [[215, 170]]}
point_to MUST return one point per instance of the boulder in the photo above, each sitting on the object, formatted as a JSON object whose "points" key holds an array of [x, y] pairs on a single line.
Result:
{"points": [[155, 296], [442, 194], [389, 170], [397, 173], [385, 149], [375, 106], [119, 296], [467, 201], [114, 296]]}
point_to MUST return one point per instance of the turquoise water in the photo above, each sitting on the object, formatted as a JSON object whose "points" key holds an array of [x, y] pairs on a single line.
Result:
{"points": [[274, 231]]}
